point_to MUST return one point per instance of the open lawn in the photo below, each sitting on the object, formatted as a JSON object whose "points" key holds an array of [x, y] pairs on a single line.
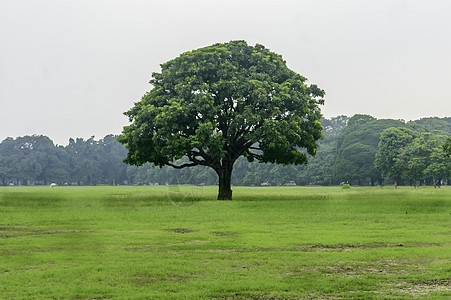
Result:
{"points": [[164, 242]]}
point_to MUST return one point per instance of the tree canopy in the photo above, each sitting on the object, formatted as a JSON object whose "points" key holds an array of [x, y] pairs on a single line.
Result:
{"points": [[391, 144], [356, 148], [215, 104]]}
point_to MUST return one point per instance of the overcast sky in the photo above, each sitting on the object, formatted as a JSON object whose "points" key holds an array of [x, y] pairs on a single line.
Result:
{"points": [[70, 68]]}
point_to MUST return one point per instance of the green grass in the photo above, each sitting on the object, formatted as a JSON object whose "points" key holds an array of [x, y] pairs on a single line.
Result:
{"points": [[165, 242]]}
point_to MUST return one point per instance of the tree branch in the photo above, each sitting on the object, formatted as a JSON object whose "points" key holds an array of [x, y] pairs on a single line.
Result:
{"points": [[256, 156], [200, 153], [207, 159], [182, 166]]}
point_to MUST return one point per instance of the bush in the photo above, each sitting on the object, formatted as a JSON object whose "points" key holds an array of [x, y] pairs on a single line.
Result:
{"points": [[346, 186]]}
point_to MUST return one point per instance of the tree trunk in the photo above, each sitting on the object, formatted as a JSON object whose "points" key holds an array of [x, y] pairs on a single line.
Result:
{"points": [[225, 182]]}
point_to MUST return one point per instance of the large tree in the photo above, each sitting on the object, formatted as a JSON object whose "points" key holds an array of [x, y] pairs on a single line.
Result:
{"points": [[215, 104]]}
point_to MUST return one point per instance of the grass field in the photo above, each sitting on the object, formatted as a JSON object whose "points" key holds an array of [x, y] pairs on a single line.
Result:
{"points": [[165, 242]]}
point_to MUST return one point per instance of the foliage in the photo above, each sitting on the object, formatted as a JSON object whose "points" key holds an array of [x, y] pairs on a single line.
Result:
{"points": [[36, 160], [433, 125], [391, 144], [32, 157], [346, 154], [356, 149], [447, 147], [215, 104], [403, 153], [334, 126]]}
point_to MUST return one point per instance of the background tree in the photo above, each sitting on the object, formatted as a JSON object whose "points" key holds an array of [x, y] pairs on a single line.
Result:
{"points": [[320, 167], [51, 159], [447, 147], [392, 142], [111, 165], [85, 161], [356, 149], [433, 125], [32, 159], [439, 166], [413, 158], [12, 161], [333, 126], [349, 149], [217, 103]]}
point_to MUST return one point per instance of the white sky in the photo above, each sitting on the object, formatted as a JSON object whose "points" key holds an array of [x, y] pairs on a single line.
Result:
{"points": [[70, 68]]}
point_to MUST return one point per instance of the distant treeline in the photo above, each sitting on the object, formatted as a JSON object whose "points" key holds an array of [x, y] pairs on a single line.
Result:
{"points": [[347, 154]]}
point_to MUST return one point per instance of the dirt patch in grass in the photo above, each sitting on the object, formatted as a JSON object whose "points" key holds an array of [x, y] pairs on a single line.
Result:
{"points": [[225, 235], [246, 267], [327, 248], [423, 287], [314, 297], [11, 231], [362, 268], [196, 242], [181, 230], [349, 247]]}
